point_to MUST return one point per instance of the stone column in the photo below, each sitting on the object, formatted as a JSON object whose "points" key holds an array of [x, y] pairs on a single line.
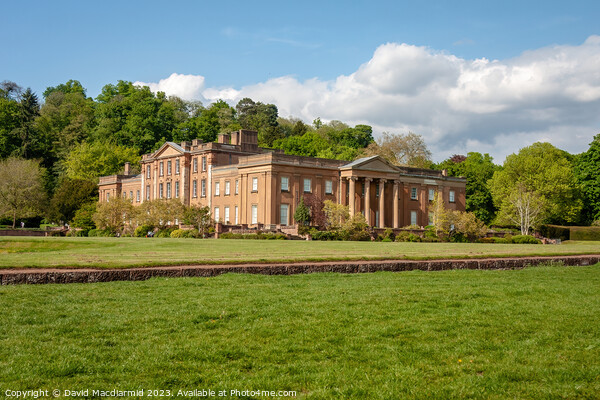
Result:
{"points": [[368, 200], [351, 197], [396, 222], [382, 203]]}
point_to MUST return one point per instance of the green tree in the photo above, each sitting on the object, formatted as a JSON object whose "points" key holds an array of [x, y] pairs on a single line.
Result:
{"points": [[10, 119], [261, 118], [478, 169], [401, 149], [335, 214], [114, 215], [84, 217], [198, 217], [70, 196], [89, 161], [523, 208], [159, 212], [21, 188], [587, 172], [71, 86], [546, 171], [302, 213]]}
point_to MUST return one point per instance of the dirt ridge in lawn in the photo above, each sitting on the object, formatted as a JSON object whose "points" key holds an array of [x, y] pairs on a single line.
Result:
{"points": [[92, 275]]}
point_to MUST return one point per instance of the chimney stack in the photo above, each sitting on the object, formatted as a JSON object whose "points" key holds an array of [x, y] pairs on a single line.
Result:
{"points": [[127, 169]]}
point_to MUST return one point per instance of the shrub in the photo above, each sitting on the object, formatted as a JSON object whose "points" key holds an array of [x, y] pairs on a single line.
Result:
{"points": [[165, 233], [508, 238], [405, 236], [525, 239], [500, 240], [185, 234], [253, 236], [555, 232], [100, 233], [325, 235], [142, 230], [585, 233], [77, 233]]}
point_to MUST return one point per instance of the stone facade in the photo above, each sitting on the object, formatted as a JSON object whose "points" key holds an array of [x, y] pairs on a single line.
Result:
{"points": [[242, 183]]}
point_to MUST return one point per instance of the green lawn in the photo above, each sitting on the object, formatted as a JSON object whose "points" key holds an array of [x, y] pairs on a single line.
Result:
{"points": [[129, 252], [530, 334]]}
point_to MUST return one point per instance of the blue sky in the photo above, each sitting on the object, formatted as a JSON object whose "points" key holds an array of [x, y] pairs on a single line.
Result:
{"points": [[398, 66]]}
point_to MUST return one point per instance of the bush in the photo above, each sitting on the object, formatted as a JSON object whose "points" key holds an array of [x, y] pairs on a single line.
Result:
{"points": [[253, 236], [405, 236], [585, 233], [165, 233], [185, 234], [508, 238], [100, 233], [525, 239], [77, 233], [325, 235], [555, 232], [142, 230], [486, 240]]}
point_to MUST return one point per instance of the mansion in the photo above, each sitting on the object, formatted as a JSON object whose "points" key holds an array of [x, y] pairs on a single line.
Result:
{"points": [[242, 183]]}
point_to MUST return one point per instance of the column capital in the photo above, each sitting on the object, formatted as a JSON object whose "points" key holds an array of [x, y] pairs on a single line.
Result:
{"points": [[397, 182], [368, 179], [382, 180], [352, 178]]}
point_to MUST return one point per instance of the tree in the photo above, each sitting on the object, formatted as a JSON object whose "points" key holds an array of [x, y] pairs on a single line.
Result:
{"points": [[71, 86], [21, 188], [84, 217], [401, 149], [159, 212], [89, 161], [441, 215], [546, 171], [478, 169], [198, 217], [587, 172], [114, 215], [315, 205], [261, 118], [70, 196], [468, 225], [302, 213], [336, 214], [522, 208]]}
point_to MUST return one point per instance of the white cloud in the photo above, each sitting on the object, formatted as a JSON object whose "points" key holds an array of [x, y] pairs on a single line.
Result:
{"points": [[187, 87], [458, 105]]}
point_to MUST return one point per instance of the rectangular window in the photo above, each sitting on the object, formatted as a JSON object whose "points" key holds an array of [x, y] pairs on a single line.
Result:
{"points": [[177, 167], [237, 186], [254, 215], [236, 215], [169, 167], [148, 192], [377, 190], [107, 197], [284, 212], [430, 219], [131, 194], [216, 214], [203, 164], [148, 171], [307, 185], [328, 187], [255, 184], [168, 190], [160, 190], [177, 189], [413, 217], [226, 215], [203, 188], [451, 196], [217, 188], [195, 164], [376, 218], [285, 184], [124, 195], [413, 193], [195, 188], [431, 194], [137, 196], [162, 168], [227, 188]]}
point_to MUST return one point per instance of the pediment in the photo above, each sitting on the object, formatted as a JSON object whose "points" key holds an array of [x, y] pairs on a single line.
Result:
{"points": [[374, 163], [168, 149]]}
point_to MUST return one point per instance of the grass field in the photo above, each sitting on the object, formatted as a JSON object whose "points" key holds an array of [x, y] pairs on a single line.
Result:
{"points": [[130, 252], [531, 334]]}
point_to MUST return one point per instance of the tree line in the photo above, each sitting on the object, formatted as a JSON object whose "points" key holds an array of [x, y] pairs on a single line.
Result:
{"points": [[72, 139]]}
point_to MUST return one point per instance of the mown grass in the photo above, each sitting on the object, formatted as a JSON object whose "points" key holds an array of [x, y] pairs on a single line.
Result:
{"points": [[531, 333], [130, 252]]}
